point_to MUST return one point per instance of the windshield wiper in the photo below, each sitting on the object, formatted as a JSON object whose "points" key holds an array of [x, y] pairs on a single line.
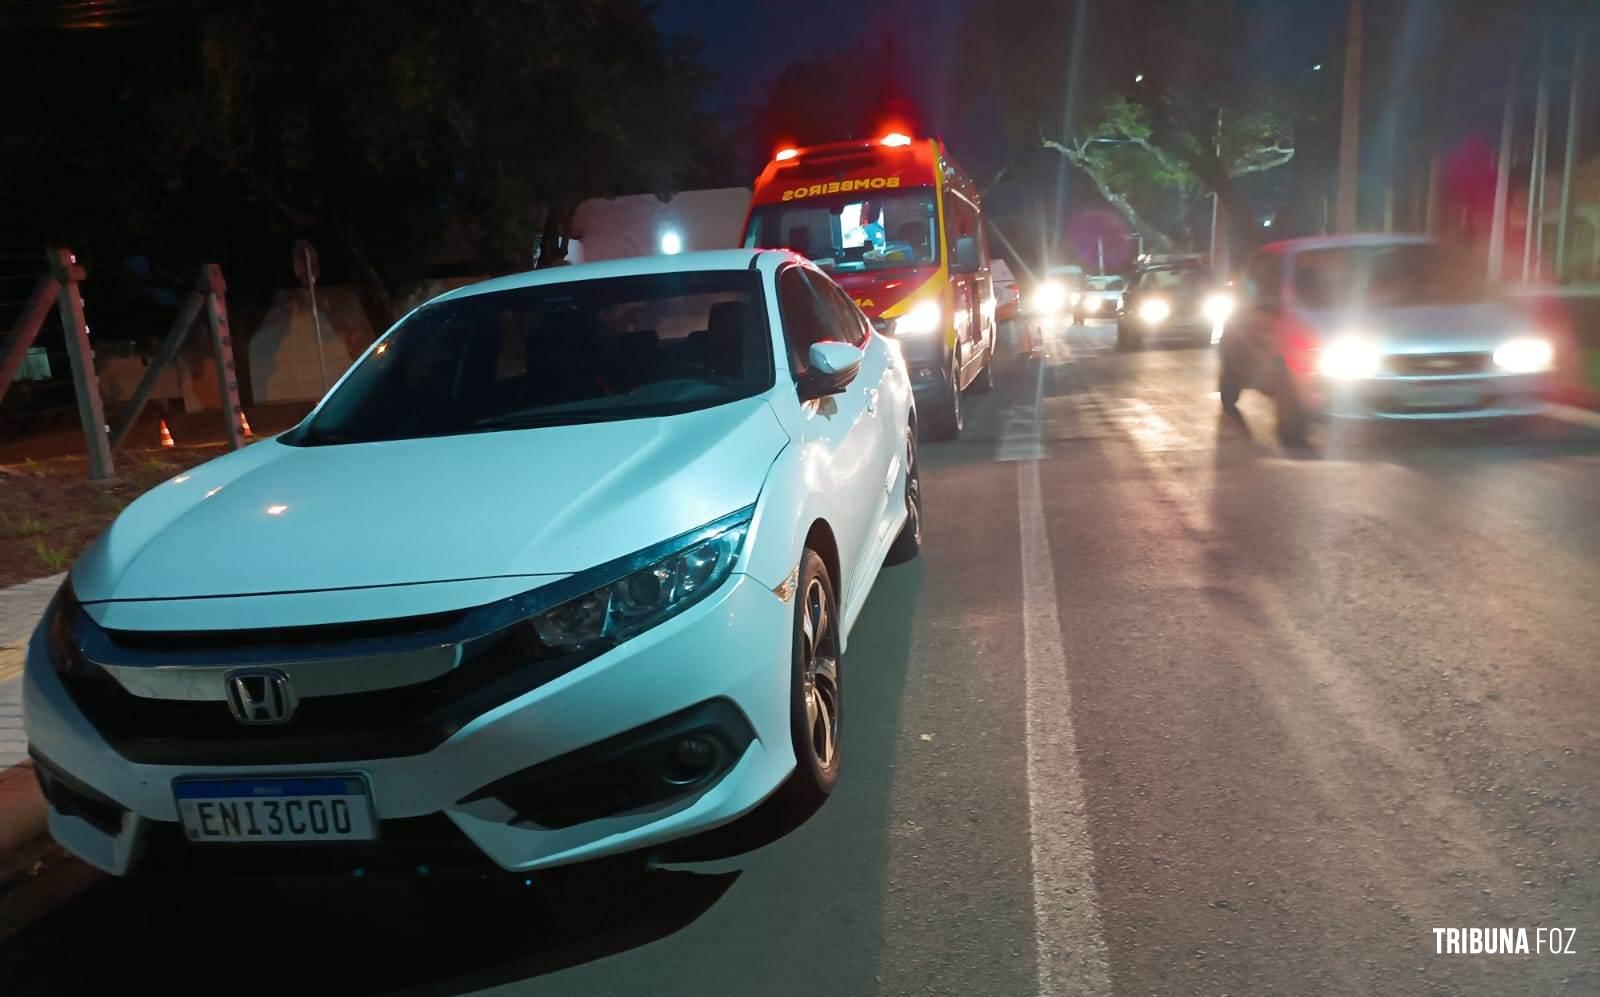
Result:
{"points": [[532, 421]]}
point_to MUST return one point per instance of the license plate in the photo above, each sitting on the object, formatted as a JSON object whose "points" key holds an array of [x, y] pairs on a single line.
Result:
{"points": [[308, 808], [1442, 396]]}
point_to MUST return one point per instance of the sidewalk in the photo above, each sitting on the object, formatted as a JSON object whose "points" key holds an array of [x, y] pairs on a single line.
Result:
{"points": [[22, 813]]}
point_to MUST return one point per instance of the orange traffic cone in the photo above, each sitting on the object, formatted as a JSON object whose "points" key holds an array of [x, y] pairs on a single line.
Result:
{"points": [[166, 436], [244, 424]]}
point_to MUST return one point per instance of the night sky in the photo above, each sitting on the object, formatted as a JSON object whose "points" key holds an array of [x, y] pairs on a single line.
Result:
{"points": [[746, 44]]}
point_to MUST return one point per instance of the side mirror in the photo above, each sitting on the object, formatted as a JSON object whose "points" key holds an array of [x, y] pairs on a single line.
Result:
{"points": [[966, 255], [832, 367]]}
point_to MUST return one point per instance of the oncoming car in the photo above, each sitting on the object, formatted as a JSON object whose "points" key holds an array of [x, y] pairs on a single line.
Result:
{"points": [[1100, 297], [1379, 327], [1167, 301], [562, 567]]}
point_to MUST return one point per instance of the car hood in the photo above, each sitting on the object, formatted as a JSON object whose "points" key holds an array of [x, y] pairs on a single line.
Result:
{"points": [[1478, 327], [275, 518]]}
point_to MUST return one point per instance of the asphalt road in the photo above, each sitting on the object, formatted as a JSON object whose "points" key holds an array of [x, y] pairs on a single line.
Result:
{"points": [[1162, 709]]}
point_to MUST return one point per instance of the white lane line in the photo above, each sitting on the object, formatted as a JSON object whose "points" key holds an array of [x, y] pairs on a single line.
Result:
{"points": [[1576, 416], [1066, 914], [1020, 427]]}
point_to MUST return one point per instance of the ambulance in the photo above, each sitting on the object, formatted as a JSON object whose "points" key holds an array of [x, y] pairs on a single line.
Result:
{"points": [[897, 224]]}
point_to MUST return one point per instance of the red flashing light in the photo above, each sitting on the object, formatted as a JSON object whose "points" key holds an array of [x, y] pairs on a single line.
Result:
{"points": [[895, 140], [784, 155]]}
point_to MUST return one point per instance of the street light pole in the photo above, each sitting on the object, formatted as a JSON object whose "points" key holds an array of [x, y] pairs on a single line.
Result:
{"points": [[1502, 180], [1344, 213], [1570, 160], [1532, 236]]}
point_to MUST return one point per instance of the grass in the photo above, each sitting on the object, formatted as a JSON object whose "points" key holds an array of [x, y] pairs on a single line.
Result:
{"points": [[23, 524], [52, 557]]}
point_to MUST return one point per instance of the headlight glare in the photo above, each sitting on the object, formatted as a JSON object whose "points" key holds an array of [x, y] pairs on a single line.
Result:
{"points": [[1050, 297], [1525, 355], [1154, 310], [642, 599], [922, 318], [1349, 357], [1218, 307]]}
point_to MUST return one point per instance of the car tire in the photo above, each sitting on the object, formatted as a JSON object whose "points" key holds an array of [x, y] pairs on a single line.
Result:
{"points": [[1126, 340], [909, 542], [1229, 386], [814, 698], [1291, 411], [943, 420]]}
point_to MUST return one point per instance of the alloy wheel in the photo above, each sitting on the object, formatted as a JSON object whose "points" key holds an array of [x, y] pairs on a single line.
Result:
{"points": [[821, 677]]}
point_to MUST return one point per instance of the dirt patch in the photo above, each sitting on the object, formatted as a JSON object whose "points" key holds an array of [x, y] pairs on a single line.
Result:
{"points": [[50, 512]]}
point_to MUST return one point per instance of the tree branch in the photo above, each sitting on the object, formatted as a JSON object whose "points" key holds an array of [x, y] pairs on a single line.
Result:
{"points": [[1078, 156], [1261, 160]]}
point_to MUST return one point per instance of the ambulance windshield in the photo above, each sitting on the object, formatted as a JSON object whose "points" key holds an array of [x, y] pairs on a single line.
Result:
{"points": [[849, 232]]}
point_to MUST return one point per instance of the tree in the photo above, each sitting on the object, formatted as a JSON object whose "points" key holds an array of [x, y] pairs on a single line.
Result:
{"points": [[1145, 108], [399, 135]]}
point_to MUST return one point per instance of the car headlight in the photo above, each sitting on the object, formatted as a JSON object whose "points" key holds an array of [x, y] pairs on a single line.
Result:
{"points": [[1093, 304], [1050, 297], [1349, 357], [1218, 307], [923, 317], [645, 596], [1074, 298], [1525, 355], [60, 634], [1154, 310]]}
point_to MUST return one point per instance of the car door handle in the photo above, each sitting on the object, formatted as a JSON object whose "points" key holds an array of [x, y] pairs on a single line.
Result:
{"points": [[872, 401]]}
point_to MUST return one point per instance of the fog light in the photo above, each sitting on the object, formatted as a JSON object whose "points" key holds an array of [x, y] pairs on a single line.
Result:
{"points": [[691, 758]]}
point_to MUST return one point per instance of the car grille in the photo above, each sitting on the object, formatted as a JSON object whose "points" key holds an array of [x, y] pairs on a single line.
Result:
{"points": [[1437, 364], [381, 723]]}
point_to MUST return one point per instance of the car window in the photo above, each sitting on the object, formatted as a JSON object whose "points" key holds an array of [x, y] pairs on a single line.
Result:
{"points": [[960, 222], [559, 353], [1396, 275], [809, 316], [848, 323]]}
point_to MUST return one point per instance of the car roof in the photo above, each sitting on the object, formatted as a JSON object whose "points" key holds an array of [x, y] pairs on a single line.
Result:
{"points": [[633, 266], [1353, 240]]}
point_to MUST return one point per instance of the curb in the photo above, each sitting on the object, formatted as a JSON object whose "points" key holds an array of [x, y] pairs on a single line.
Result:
{"points": [[23, 839]]}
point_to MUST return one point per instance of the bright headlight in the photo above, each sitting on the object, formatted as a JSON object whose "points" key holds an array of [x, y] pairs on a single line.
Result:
{"points": [[1525, 355], [1218, 307], [924, 317], [643, 598], [1349, 357], [1093, 304], [1050, 297], [1154, 310]]}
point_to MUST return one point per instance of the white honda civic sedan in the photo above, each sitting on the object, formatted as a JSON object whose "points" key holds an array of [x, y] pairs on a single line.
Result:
{"points": [[563, 567]]}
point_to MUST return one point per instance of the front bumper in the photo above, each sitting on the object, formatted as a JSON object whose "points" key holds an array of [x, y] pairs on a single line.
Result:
{"points": [[512, 781], [1478, 396], [1190, 327]]}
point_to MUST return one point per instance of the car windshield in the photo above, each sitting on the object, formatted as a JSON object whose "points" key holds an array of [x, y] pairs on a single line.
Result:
{"points": [[851, 233], [1384, 276], [1186, 279], [1106, 283], [556, 354]]}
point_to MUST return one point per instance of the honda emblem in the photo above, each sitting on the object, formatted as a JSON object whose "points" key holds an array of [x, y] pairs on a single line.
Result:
{"points": [[260, 695]]}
